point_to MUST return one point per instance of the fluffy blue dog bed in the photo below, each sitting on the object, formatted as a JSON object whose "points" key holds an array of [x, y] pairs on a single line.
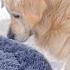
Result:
{"points": [[15, 56]]}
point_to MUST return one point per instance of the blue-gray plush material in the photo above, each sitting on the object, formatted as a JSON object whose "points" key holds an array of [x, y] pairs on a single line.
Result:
{"points": [[15, 56]]}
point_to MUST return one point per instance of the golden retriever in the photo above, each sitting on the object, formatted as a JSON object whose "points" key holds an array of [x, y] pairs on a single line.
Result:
{"points": [[47, 20]]}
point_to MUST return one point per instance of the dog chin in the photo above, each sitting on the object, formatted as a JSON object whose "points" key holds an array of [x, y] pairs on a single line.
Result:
{"points": [[21, 39]]}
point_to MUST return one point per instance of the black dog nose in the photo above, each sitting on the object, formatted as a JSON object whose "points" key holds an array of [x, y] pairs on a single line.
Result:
{"points": [[11, 35]]}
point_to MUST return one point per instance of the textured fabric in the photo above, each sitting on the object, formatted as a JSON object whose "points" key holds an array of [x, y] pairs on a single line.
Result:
{"points": [[15, 56]]}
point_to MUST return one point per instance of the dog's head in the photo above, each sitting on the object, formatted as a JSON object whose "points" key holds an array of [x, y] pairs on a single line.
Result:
{"points": [[25, 14]]}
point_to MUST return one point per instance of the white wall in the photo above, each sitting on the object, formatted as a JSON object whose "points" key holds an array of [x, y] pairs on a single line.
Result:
{"points": [[3, 13], [4, 21]]}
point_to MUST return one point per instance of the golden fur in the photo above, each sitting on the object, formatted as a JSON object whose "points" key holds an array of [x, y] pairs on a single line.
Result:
{"points": [[48, 20]]}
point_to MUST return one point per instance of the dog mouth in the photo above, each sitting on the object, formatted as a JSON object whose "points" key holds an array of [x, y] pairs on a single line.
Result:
{"points": [[19, 37]]}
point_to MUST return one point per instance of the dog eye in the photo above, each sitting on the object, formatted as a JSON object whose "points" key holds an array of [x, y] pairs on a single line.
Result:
{"points": [[16, 16]]}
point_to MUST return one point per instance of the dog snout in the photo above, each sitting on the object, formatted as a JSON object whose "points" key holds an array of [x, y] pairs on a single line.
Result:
{"points": [[11, 35]]}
